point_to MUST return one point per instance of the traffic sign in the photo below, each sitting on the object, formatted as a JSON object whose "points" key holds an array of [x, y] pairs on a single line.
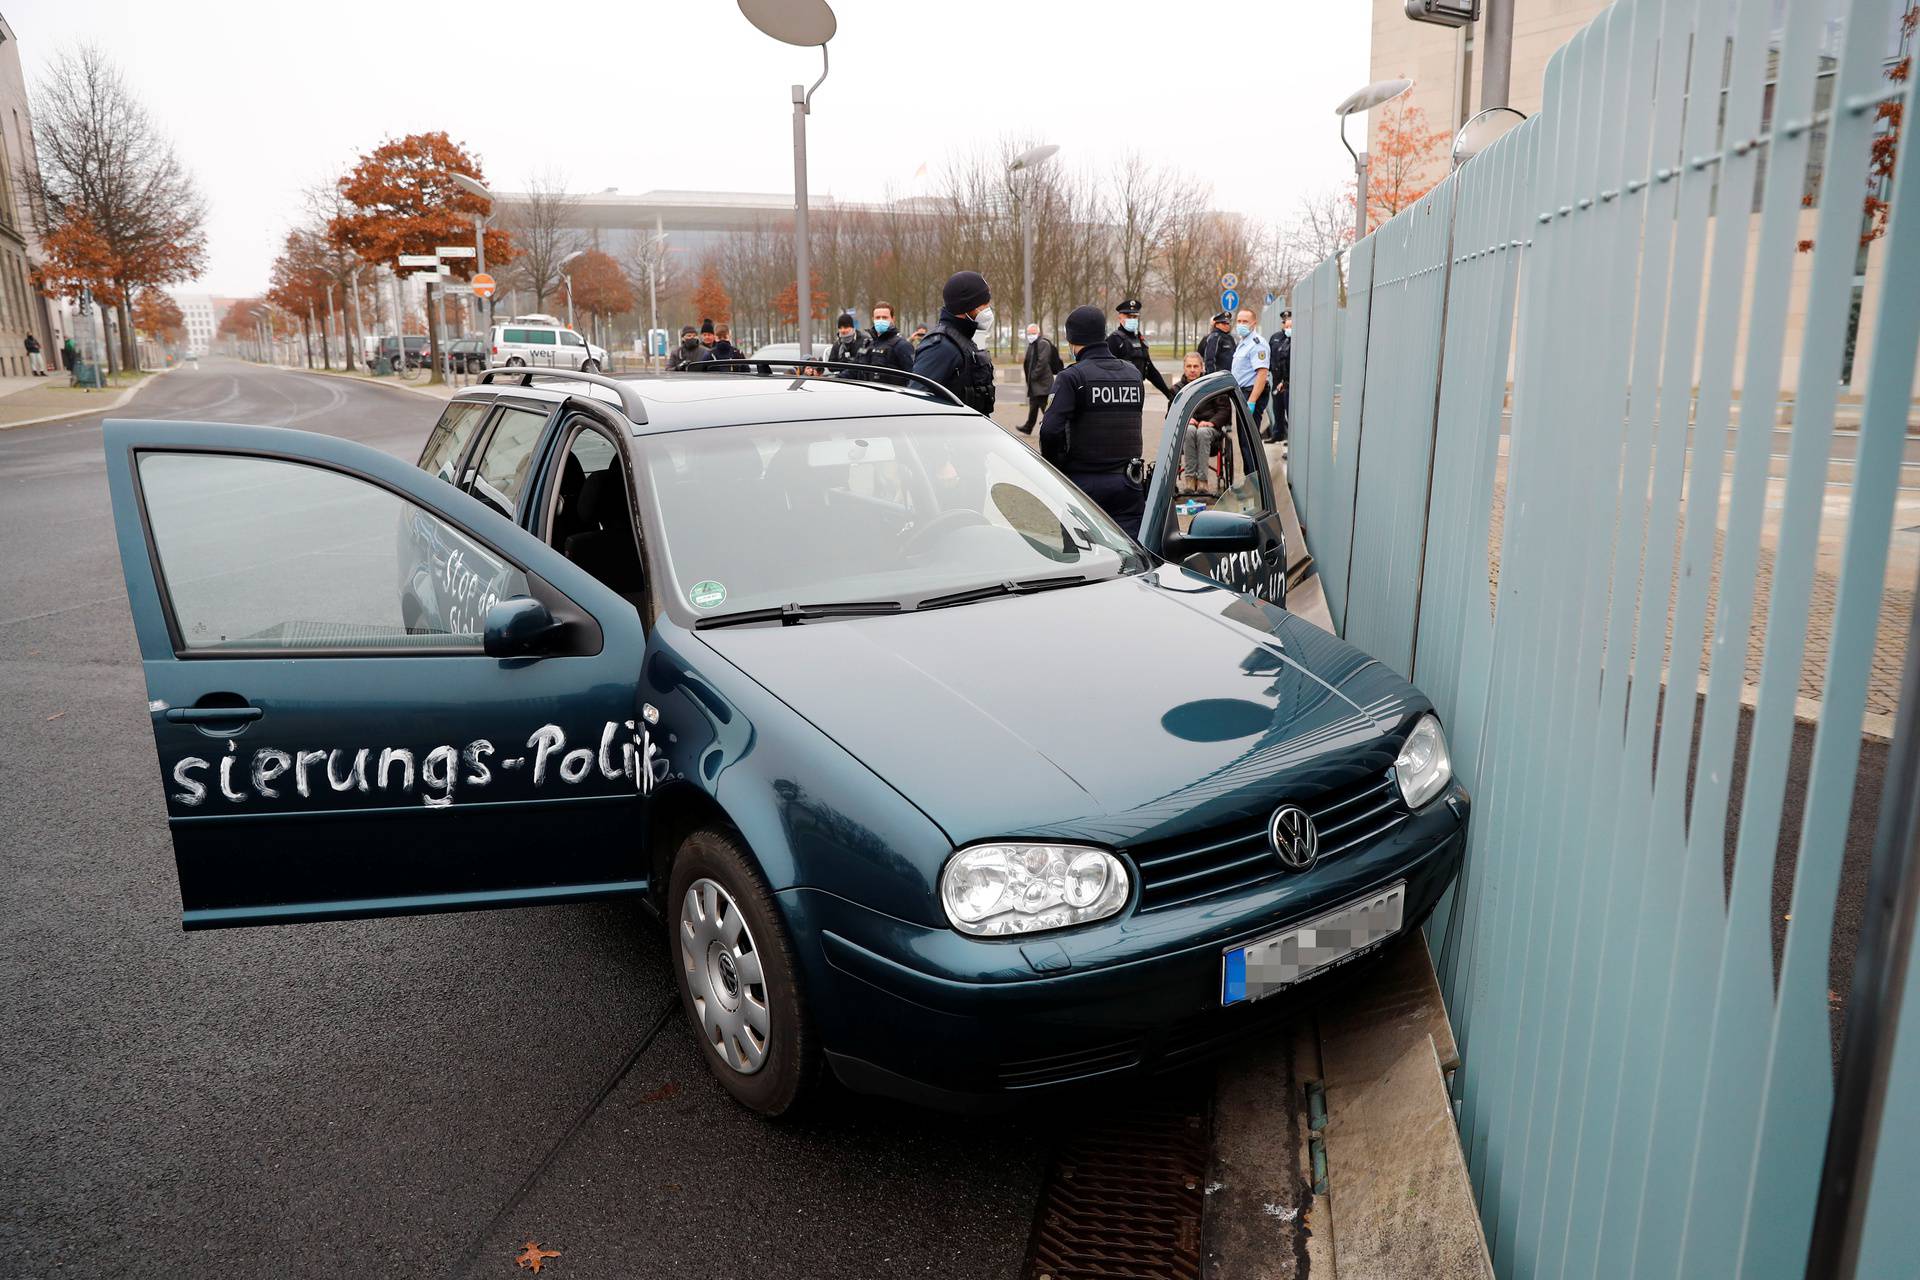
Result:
{"points": [[456, 251], [419, 260], [1269, 297], [1229, 281], [483, 285], [1229, 301]]}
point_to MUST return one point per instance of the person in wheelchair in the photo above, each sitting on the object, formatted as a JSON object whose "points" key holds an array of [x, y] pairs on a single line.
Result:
{"points": [[1205, 462]]}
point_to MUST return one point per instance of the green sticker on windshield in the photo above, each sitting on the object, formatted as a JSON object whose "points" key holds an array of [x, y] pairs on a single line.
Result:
{"points": [[707, 594]]}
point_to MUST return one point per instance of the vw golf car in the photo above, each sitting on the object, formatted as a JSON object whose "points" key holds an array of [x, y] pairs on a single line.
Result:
{"points": [[937, 779]]}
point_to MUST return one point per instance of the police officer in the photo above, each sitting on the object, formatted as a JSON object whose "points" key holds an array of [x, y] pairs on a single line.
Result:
{"points": [[886, 347], [1092, 428], [1125, 342], [1216, 349], [1280, 354], [948, 354], [848, 343]]}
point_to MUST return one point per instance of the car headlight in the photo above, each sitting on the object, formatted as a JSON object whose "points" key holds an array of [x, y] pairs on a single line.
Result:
{"points": [[1423, 767], [992, 890]]}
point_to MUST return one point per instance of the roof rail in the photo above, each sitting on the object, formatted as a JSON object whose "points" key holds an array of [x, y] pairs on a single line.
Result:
{"points": [[630, 402], [877, 373]]}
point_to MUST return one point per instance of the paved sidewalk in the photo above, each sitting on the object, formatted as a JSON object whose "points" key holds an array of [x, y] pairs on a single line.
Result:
{"points": [[28, 401]]}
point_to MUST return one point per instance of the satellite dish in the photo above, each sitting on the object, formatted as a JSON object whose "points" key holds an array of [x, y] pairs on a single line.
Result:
{"points": [[1363, 100], [1482, 131], [802, 22]]}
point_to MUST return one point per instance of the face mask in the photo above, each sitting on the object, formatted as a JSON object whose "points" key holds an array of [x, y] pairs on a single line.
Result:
{"points": [[1131, 324], [984, 317], [846, 333], [881, 326], [1033, 337], [1241, 330]]}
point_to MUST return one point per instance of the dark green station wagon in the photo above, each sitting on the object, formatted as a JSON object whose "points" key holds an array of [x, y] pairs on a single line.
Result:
{"points": [[936, 778]]}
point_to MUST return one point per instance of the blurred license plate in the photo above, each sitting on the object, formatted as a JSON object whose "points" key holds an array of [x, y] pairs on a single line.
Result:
{"points": [[1264, 967]]}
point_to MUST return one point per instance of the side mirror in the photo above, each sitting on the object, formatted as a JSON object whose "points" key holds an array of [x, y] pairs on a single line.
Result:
{"points": [[1214, 533], [519, 627]]}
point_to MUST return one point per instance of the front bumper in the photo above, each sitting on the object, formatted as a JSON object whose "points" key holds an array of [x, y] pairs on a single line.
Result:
{"points": [[936, 1017]]}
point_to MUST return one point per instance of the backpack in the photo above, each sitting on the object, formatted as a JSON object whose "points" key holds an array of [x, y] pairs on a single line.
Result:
{"points": [[975, 379]]}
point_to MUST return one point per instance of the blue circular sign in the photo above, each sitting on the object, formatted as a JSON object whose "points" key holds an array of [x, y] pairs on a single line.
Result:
{"points": [[1229, 300]]}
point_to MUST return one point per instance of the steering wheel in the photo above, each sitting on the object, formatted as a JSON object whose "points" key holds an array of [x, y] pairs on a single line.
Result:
{"points": [[938, 527]]}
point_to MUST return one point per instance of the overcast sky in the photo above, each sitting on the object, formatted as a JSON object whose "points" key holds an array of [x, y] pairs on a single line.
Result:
{"points": [[267, 98]]}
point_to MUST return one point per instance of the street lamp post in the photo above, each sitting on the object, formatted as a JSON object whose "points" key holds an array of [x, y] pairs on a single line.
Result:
{"points": [[1028, 161], [262, 323], [472, 187], [1359, 102], [653, 288], [561, 267], [805, 23]]}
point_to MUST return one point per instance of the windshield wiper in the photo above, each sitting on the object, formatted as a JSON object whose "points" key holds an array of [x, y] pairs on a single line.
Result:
{"points": [[1024, 586], [788, 615]]}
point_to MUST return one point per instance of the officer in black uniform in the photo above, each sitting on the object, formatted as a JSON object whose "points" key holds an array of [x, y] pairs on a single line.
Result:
{"points": [[1092, 428], [886, 347], [948, 354], [1216, 349], [1125, 342], [849, 342]]}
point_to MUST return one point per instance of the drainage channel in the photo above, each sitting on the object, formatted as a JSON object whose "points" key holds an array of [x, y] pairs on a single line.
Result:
{"points": [[1124, 1196]]}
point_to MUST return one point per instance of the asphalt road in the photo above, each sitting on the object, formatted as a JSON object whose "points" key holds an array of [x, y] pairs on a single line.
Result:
{"points": [[411, 1097]]}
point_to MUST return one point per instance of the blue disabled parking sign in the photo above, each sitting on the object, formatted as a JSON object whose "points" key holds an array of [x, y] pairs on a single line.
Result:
{"points": [[1229, 300]]}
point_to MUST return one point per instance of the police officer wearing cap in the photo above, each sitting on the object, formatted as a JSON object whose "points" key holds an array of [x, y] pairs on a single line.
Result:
{"points": [[1216, 349], [1093, 425], [948, 354], [1125, 342]]}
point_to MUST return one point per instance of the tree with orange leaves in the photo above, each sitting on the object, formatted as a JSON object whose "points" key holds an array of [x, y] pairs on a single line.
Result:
{"points": [[600, 288], [1405, 162], [787, 303], [159, 317], [300, 282], [401, 199], [709, 295]]}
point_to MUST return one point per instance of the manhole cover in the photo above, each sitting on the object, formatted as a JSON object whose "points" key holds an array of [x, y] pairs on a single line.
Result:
{"points": [[1124, 1197]]}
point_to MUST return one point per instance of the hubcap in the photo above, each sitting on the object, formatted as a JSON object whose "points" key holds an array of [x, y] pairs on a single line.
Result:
{"points": [[723, 974]]}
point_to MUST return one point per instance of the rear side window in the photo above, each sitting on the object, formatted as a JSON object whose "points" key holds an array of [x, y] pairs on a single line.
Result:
{"points": [[513, 335], [539, 337], [507, 456], [449, 440]]}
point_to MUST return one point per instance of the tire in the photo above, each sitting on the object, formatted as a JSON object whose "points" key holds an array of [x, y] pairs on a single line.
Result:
{"points": [[515, 362], [716, 900], [589, 366]]}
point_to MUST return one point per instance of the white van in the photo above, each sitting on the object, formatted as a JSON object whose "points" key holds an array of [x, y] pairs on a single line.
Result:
{"points": [[544, 347]]}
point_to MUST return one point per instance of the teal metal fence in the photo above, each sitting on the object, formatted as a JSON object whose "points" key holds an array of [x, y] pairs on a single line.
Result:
{"points": [[1682, 231]]}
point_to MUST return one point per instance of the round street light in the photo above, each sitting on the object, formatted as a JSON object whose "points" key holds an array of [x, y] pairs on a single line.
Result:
{"points": [[561, 267], [1031, 159], [473, 187], [805, 23], [1482, 131], [1359, 102]]}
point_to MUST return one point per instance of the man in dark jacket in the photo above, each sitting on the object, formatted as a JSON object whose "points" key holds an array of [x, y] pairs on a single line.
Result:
{"points": [[886, 347], [1205, 436], [1042, 363], [848, 343], [707, 336], [1281, 347], [1126, 343], [1092, 430], [723, 348], [1216, 349], [948, 354], [690, 351]]}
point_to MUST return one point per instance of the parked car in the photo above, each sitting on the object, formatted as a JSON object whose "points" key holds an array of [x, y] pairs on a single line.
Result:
{"points": [[544, 347], [418, 353], [467, 355], [757, 652], [790, 351]]}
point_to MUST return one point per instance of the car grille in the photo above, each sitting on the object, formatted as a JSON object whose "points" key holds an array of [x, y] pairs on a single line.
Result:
{"points": [[1077, 1065], [1232, 858]]}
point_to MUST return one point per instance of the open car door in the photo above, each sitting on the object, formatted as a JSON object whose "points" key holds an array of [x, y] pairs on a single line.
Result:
{"points": [[370, 694], [1202, 468]]}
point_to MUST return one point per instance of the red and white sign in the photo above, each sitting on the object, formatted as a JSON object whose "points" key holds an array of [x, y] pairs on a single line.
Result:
{"points": [[483, 285]]}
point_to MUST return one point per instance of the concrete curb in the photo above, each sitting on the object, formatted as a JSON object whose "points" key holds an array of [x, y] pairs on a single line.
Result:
{"points": [[125, 396]]}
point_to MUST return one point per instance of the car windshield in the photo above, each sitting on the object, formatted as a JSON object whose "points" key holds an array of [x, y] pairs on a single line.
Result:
{"points": [[898, 509]]}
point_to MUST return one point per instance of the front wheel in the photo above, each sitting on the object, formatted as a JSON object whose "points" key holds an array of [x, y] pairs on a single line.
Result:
{"points": [[738, 980], [589, 366], [515, 362]]}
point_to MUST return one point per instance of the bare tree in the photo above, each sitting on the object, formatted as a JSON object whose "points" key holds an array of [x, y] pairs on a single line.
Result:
{"points": [[543, 234], [115, 208], [1144, 200], [1322, 228]]}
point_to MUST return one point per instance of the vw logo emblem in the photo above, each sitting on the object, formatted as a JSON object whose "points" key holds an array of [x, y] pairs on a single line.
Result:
{"points": [[1290, 832]]}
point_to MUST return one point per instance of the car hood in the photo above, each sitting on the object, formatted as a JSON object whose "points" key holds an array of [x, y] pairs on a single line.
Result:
{"points": [[1119, 711]]}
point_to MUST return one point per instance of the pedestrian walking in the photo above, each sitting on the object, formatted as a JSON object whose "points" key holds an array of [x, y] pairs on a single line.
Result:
{"points": [[1250, 365], [69, 354], [886, 347], [723, 348], [1093, 423], [1126, 343], [949, 354], [1204, 437], [1042, 363], [690, 351], [1280, 354], [849, 343], [1216, 348], [35, 361]]}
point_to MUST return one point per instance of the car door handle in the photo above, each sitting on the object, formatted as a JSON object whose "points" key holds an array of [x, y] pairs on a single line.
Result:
{"points": [[212, 715]]}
